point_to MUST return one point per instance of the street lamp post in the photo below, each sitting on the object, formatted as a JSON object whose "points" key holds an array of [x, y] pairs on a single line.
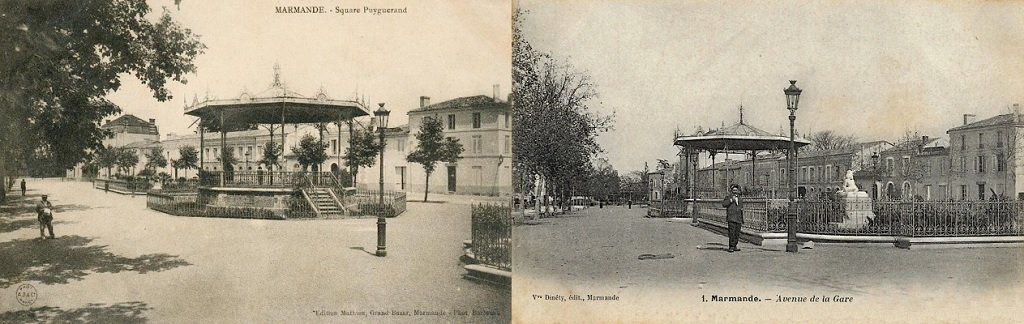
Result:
{"points": [[382, 123], [792, 100]]}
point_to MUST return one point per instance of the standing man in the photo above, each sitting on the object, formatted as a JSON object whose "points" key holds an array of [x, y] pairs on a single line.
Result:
{"points": [[734, 215], [23, 187], [44, 211]]}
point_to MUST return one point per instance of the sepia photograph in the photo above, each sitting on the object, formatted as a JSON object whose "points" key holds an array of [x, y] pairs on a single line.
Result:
{"points": [[767, 161], [289, 161]]}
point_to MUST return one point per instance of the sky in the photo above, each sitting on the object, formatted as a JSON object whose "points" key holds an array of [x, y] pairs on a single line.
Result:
{"points": [[874, 70], [440, 49]]}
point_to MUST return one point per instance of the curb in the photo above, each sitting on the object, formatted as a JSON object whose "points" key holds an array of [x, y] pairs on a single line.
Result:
{"points": [[902, 242]]}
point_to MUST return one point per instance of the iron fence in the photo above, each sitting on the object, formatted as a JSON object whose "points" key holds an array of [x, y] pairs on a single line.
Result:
{"points": [[125, 186], [254, 179], [670, 208], [187, 204], [492, 235], [367, 202], [889, 218]]}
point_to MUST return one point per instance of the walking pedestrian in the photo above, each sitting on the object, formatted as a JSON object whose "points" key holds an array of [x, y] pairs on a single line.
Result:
{"points": [[44, 212], [23, 187], [733, 215]]}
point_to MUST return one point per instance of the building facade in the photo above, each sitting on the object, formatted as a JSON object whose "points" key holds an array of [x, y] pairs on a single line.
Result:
{"points": [[482, 125], [984, 157]]}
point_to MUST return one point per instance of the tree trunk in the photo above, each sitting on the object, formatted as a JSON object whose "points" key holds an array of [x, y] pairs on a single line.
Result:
{"points": [[426, 189]]}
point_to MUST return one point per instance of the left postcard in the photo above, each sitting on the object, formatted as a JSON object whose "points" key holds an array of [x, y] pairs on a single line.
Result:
{"points": [[287, 161]]}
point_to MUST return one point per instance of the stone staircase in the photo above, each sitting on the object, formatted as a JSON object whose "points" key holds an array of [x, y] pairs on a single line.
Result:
{"points": [[326, 204]]}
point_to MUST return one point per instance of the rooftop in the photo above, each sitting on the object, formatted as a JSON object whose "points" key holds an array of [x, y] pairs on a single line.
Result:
{"points": [[471, 102]]}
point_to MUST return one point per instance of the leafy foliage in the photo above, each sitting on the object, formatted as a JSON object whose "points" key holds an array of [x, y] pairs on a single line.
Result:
{"points": [[555, 131], [155, 158], [271, 155], [433, 147], [310, 151], [60, 58], [188, 158], [126, 159], [363, 150]]}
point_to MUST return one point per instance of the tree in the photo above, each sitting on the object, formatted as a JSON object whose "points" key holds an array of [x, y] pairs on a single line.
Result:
{"points": [[829, 140], [188, 158], [155, 158], [126, 160], [227, 160], [554, 129], [310, 152], [271, 156], [363, 151], [61, 58], [433, 147], [106, 157]]}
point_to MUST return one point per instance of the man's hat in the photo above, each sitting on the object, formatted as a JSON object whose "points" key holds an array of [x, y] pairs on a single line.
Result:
{"points": [[44, 196]]}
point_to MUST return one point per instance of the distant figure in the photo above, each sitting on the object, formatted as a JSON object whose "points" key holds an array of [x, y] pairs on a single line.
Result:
{"points": [[734, 215], [630, 202], [44, 212], [23, 187], [259, 175], [106, 187]]}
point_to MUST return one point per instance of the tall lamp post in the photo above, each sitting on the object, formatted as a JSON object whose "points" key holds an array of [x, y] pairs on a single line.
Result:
{"points": [[382, 123], [792, 100]]}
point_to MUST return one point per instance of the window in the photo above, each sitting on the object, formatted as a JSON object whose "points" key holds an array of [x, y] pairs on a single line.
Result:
{"points": [[477, 147], [928, 192], [508, 144], [334, 146], [981, 191], [963, 192], [507, 121], [963, 142], [451, 121], [999, 138], [1000, 162], [981, 141], [963, 164], [981, 163], [906, 165], [401, 145], [476, 120], [889, 165]]}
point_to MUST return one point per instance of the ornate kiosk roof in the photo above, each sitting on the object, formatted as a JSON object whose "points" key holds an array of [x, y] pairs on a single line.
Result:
{"points": [[275, 105], [738, 137]]}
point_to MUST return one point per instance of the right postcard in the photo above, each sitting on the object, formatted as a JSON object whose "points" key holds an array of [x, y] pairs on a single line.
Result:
{"points": [[768, 161]]}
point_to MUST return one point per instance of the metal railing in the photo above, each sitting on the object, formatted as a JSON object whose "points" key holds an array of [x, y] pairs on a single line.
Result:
{"points": [[492, 235], [136, 186], [252, 179], [890, 218], [366, 202], [182, 204]]}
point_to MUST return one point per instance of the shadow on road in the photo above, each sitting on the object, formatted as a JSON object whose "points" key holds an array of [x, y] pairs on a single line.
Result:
{"points": [[11, 226], [363, 249], [127, 312], [70, 258]]}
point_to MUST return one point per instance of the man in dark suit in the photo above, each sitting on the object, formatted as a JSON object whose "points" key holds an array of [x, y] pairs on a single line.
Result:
{"points": [[734, 215]]}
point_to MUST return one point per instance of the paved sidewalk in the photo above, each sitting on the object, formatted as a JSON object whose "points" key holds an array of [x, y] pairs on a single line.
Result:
{"points": [[115, 261], [596, 252]]}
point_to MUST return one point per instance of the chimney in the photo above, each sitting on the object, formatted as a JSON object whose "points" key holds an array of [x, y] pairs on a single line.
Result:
{"points": [[1016, 113], [969, 118], [424, 101], [152, 121], [496, 90], [924, 139]]}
